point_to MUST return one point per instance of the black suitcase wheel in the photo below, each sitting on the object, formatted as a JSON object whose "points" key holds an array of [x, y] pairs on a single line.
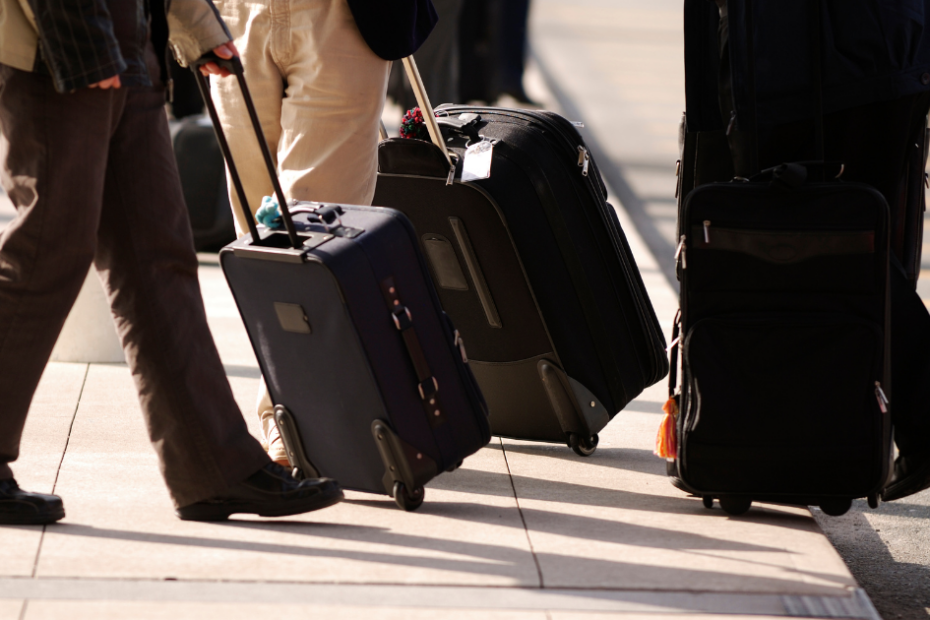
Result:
{"points": [[408, 501], [735, 506], [835, 507], [708, 501], [873, 500], [583, 447]]}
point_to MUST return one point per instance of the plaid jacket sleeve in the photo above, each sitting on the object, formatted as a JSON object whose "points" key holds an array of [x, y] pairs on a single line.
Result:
{"points": [[77, 42]]}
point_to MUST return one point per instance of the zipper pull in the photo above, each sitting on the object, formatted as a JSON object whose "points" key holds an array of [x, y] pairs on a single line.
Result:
{"points": [[707, 232], [881, 398], [680, 252], [732, 122], [583, 160], [451, 178]]}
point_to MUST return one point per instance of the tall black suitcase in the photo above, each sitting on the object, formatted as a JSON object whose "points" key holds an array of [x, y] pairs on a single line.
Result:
{"points": [[532, 265], [369, 378], [784, 337]]}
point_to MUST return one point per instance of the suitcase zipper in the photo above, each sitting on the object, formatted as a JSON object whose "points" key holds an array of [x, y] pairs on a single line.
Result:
{"points": [[881, 398], [680, 252], [583, 160]]}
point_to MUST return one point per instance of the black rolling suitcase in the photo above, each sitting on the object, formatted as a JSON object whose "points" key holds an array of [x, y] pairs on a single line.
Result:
{"points": [[533, 267], [784, 340], [369, 378]]}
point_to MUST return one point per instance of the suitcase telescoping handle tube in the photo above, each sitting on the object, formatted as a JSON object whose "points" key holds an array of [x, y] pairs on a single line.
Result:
{"points": [[419, 92], [234, 65]]}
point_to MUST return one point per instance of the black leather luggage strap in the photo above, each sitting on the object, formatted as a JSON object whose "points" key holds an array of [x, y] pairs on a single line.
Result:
{"points": [[427, 386]]}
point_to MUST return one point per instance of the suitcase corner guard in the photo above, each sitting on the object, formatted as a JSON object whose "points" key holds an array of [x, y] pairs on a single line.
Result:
{"points": [[402, 462], [578, 410], [287, 426]]}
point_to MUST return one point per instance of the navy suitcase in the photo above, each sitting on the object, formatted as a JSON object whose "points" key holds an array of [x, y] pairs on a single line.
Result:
{"points": [[532, 265], [369, 378]]}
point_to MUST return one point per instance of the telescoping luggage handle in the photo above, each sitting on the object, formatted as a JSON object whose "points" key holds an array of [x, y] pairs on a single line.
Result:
{"points": [[419, 92], [234, 65]]}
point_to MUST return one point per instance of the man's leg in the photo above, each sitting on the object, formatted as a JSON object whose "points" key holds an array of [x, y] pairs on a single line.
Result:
{"points": [[146, 258], [54, 150]]}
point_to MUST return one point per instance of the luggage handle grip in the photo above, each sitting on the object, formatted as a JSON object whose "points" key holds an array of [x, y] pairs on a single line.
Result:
{"points": [[234, 65]]}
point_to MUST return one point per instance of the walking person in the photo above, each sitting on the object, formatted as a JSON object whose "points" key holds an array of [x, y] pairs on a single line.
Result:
{"points": [[87, 162]]}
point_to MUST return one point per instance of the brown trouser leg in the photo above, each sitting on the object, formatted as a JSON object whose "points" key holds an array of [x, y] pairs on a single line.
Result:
{"points": [[94, 180]]}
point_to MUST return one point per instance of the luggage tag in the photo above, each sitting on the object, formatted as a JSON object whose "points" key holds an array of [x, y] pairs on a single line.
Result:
{"points": [[477, 162]]}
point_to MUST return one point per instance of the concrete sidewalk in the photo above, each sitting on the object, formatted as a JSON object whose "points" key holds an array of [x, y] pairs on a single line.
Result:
{"points": [[523, 530]]}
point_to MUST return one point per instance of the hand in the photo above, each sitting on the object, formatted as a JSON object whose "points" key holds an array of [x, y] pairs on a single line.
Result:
{"points": [[224, 51], [112, 82]]}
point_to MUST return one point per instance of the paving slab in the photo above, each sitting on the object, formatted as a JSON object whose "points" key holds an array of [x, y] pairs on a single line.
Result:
{"points": [[11, 609], [44, 439], [107, 610]]}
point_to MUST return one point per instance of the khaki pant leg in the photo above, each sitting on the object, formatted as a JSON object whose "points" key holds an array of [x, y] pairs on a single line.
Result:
{"points": [[252, 27], [335, 95]]}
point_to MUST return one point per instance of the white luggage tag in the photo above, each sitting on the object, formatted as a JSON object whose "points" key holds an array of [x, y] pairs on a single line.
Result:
{"points": [[477, 162]]}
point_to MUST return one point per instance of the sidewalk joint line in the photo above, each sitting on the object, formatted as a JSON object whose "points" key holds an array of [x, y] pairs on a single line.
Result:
{"points": [[22, 610], [77, 405], [526, 529]]}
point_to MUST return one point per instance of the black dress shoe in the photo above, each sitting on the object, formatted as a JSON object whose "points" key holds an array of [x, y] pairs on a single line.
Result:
{"points": [[911, 475], [269, 492], [18, 507]]}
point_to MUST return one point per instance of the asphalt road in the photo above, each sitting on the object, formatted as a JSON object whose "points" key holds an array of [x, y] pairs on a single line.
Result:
{"points": [[617, 65]]}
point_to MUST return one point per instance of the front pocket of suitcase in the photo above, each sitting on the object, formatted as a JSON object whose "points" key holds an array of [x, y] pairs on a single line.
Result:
{"points": [[783, 404]]}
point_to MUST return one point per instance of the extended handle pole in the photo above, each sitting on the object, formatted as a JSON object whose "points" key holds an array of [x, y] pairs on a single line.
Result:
{"points": [[235, 65], [419, 91]]}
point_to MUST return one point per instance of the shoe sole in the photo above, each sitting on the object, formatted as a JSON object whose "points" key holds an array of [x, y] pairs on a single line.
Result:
{"points": [[915, 483], [222, 512], [35, 519]]}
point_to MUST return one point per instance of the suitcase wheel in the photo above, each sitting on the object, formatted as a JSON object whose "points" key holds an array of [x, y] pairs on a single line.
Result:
{"points": [[405, 500], [708, 501], [835, 507], [582, 446], [735, 505], [873, 500], [454, 467]]}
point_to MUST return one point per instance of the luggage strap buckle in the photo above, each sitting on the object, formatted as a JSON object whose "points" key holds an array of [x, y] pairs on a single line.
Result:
{"points": [[403, 319], [428, 388]]}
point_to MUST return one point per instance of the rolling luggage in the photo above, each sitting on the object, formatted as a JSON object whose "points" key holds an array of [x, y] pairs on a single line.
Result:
{"points": [[784, 339], [203, 181], [531, 264], [369, 378]]}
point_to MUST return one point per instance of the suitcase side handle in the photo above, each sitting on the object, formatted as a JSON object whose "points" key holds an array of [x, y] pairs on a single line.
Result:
{"points": [[234, 65]]}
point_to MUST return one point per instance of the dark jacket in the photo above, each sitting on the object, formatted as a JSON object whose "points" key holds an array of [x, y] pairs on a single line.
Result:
{"points": [[394, 29], [872, 50], [81, 42]]}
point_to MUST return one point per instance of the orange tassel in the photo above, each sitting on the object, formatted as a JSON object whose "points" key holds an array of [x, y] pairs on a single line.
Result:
{"points": [[667, 439]]}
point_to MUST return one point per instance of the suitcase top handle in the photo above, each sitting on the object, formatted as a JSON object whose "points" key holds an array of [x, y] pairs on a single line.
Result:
{"points": [[234, 65]]}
